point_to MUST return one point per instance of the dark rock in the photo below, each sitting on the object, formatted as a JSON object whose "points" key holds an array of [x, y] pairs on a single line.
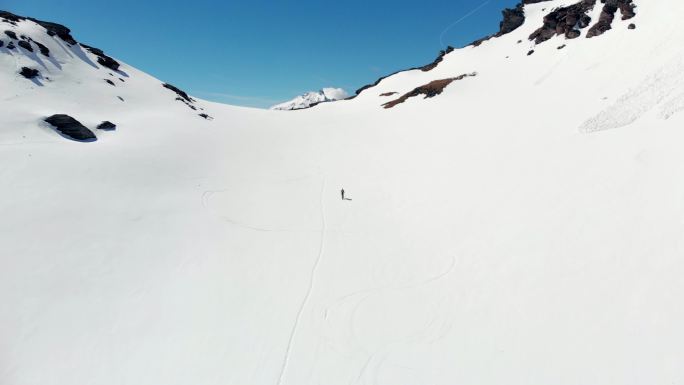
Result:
{"points": [[178, 92], [11, 34], [102, 58], [1, 43], [438, 60], [106, 126], [25, 45], [122, 81], [530, 52], [10, 16], [561, 46], [430, 90], [52, 28], [512, 19], [627, 9], [43, 49], [610, 7], [29, 73], [205, 116], [110, 82], [631, 26], [10, 45], [424, 68], [71, 128], [605, 20], [388, 94], [564, 21], [120, 98]]}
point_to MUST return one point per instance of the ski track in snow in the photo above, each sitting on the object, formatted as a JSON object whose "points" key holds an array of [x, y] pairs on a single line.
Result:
{"points": [[655, 89], [309, 291]]}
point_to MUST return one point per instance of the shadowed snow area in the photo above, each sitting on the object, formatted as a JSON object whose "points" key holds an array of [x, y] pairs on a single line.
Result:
{"points": [[523, 226]]}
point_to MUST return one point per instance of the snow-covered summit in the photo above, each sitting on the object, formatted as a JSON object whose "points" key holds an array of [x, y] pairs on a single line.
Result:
{"points": [[312, 98]]}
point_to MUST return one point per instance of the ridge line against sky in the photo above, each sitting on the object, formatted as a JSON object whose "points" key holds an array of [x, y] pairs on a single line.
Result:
{"points": [[260, 53]]}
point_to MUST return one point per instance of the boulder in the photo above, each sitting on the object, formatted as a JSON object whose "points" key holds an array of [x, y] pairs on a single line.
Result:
{"points": [[106, 126], [71, 128], [29, 73], [11, 34], [25, 45]]}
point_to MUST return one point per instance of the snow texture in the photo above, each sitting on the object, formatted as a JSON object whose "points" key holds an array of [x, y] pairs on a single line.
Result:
{"points": [[525, 226]]}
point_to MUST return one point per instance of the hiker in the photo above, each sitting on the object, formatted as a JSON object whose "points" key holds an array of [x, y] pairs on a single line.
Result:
{"points": [[342, 192]]}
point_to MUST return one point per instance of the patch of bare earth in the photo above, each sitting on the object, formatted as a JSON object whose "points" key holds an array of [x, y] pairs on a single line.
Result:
{"points": [[430, 90]]}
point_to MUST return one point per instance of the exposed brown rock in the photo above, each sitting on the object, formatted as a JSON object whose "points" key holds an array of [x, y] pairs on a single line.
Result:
{"points": [[605, 21], [430, 90], [564, 21], [388, 93]]}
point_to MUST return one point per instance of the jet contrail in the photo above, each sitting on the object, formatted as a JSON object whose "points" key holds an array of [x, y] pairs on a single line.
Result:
{"points": [[467, 15]]}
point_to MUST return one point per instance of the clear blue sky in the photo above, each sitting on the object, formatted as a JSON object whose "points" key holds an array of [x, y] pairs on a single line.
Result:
{"points": [[259, 52]]}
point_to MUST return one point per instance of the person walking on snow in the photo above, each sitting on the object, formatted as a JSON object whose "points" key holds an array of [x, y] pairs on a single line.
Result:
{"points": [[342, 192]]}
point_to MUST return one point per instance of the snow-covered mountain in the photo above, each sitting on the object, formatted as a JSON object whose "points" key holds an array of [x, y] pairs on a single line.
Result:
{"points": [[516, 216], [312, 98]]}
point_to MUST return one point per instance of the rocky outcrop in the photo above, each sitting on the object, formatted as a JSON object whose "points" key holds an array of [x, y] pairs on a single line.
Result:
{"points": [[605, 21], [571, 19], [388, 93], [102, 59], [29, 73], [513, 18], [430, 90], [12, 35], [181, 94], [71, 128], [52, 29], [106, 126], [566, 21], [440, 57]]}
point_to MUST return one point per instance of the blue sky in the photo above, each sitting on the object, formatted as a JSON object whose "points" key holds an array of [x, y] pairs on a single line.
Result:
{"points": [[258, 52]]}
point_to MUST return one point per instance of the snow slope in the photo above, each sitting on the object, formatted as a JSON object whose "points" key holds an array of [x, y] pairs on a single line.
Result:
{"points": [[524, 227], [312, 98]]}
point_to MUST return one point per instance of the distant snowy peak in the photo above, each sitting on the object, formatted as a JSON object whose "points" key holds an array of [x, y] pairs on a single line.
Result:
{"points": [[312, 98]]}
